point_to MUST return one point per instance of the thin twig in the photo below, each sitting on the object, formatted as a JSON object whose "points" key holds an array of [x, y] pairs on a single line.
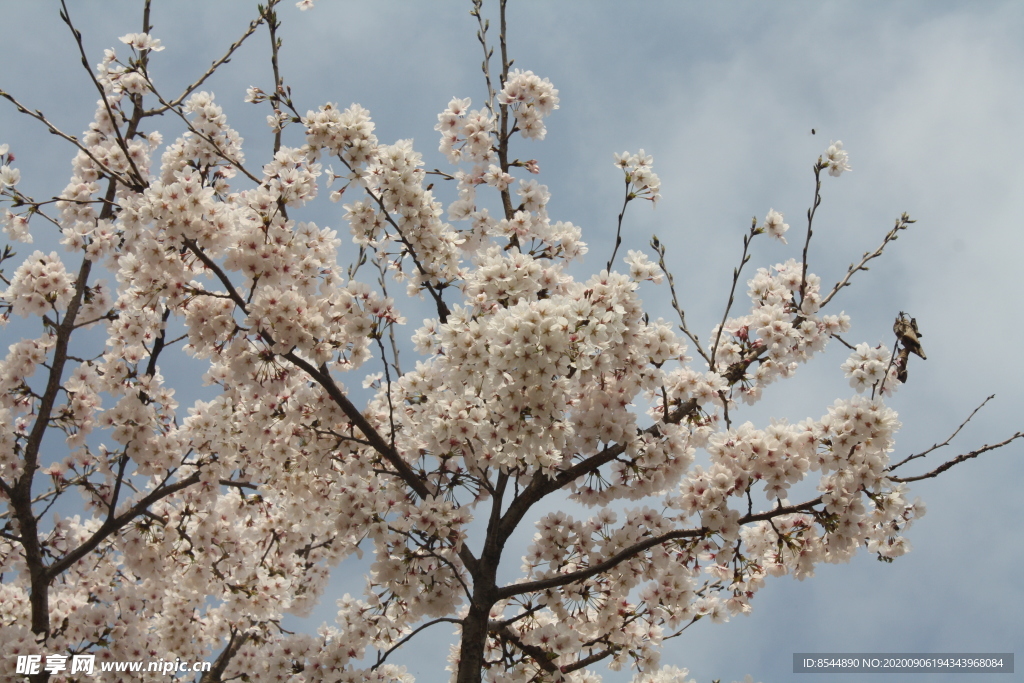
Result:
{"points": [[844, 342], [275, 47], [382, 280], [818, 168], [618, 229], [433, 553], [253, 25], [70, 138], [504, 133], [957, 460], [747, 239], [937, 446], [481, 35], [221, 153], [659, 247], [141, 181], [902, 223], [879, 386], [387, 378], [382, 657]]}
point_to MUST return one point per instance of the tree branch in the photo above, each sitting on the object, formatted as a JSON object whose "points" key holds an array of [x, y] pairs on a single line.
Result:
{"points": [[902, 223], [659, 248], [618, 228], [235, 642], [140, 183], [442, 307], [115, 523], [253, 25], [747, 239], [542, 486], [937, 446], [382, 657], [70, 138], [818, 168], [957, 460], [628, 553]]}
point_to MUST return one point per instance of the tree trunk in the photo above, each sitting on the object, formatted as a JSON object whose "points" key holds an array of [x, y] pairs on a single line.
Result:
{"points": [[474, 639]]}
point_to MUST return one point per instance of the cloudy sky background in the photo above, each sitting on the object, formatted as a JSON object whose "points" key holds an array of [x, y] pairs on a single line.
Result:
{"points": [[927, 98]]}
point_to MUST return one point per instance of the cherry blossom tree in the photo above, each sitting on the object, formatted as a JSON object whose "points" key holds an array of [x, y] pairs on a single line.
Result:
{"points": [[133, 529]]}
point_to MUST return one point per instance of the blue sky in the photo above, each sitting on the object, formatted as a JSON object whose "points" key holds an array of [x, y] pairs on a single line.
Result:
{"points": [[927, 97]]}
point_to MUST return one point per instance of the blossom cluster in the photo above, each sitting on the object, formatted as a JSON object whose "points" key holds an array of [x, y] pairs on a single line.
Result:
{"points": [[532, 99], [9, 177], [870, 367], [142, 42], [641, 181], [40, 284], [780, 332], [837, 159], [774, 226], [466, 135]]}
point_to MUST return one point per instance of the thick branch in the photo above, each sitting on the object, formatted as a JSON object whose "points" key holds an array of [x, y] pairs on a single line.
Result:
{"points": [[538, 654], [632, 551], [323, 377], [235, 643], [21, 494], [542, 486], [118, 522]]}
